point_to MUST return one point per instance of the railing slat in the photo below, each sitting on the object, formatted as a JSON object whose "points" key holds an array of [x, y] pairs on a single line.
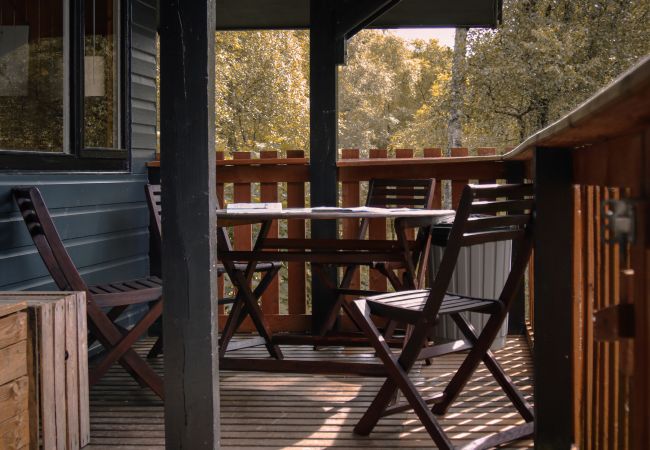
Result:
{"points": [[437, 197], [242, 194], [457, 186], [486, 151], [296, 229], [350, 197], [269, 194], [377, 230]]}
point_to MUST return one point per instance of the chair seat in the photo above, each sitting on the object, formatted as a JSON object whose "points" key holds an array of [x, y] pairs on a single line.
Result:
{"points": [[127, 292], [259, 267], [408, 305]]}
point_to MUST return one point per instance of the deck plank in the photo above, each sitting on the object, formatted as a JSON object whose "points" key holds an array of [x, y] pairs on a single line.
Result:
{"points": [[275, 411]]}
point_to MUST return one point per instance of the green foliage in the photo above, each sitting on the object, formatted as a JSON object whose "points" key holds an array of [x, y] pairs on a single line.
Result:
{"points": [[384, 85], [546, 58], [262, 90]]}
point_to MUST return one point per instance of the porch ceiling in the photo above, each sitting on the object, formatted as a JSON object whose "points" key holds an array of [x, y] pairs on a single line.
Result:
{"points": [[275, 14]]}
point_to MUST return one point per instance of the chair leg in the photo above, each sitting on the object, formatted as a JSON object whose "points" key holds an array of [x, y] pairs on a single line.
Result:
{"points": [[239, 312], [157, 349], [236, 316], [109, 336], [481, 352], [460, 379], [397, 379], [128, 339], [253, 309]]}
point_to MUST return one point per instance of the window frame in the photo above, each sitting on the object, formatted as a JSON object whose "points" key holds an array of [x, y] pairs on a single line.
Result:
{"points": [[77, 157]]}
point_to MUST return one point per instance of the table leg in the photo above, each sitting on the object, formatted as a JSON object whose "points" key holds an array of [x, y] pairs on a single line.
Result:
{"points": [[248, 299]]}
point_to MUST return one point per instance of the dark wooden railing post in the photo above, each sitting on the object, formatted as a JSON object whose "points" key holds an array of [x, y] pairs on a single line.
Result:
{"points": [[189, 224], [553, 350]]}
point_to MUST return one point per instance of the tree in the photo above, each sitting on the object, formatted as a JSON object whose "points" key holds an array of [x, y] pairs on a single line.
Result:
{"points": [[546, 58], [262, 100]]}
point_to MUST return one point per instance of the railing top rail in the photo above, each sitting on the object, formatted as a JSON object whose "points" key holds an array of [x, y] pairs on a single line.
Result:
{"points": [[414, 161], [618, 109]]}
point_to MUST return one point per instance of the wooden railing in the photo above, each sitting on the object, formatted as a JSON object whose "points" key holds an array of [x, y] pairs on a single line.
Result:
{"points": [[269, 178], [591, 309]]}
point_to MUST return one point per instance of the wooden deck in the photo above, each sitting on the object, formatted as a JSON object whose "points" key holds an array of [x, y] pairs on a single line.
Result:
{"points": [[273, 411]]}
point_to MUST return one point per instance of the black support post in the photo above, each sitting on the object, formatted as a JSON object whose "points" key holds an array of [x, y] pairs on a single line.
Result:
{"points": [[332, 22], [553, 300], [323, 134], [189, 224]]}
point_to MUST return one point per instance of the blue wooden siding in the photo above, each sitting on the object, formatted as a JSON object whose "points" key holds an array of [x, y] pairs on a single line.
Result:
{"points": [[102, 217]]}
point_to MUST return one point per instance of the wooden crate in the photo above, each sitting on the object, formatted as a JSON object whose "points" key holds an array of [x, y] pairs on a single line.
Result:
{"points": [[14, 381], [58, 384]]}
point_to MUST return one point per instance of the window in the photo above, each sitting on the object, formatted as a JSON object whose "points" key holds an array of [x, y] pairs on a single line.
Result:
{"points": [[63, 83]]}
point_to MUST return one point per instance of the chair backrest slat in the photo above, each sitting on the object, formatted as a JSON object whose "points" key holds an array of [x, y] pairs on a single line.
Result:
{"points": [[490, 236], [481, 223], [155, 207], [513, 207], [154, 200], [47, 240], [401, 193], [501, 206]]}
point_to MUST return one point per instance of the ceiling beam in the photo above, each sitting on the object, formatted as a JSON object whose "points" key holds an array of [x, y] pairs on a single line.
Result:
{"points": [[355, 15]]}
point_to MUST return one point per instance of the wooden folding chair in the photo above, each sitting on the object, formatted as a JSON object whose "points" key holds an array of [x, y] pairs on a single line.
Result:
{"points": [[239, 309], [116, 297], [509, 210], [388, 193]]}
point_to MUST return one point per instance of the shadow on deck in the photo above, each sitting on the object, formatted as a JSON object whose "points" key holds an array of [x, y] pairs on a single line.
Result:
{"points": [[273, 411]]}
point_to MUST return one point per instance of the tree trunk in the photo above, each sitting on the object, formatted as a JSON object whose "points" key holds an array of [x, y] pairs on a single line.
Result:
{"points": [[454, 129]]}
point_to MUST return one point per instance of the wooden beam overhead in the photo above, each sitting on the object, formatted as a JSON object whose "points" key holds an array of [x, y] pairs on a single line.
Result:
{"points": [[189, 196], [353, 16], [295, 14]]}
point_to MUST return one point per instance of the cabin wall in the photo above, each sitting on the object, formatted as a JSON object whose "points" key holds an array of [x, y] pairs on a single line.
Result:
{"points": [[102, 217]]}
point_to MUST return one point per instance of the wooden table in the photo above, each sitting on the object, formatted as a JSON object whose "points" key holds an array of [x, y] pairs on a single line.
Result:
{"points": [[341, 252]]}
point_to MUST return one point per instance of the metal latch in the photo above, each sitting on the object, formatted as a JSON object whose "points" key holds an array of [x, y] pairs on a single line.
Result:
{"points": [[619, 222]]}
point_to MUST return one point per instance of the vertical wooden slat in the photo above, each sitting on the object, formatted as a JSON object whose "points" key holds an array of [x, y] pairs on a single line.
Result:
{"points": [[486, 151], [269, 193], [58, 320], [296, 230], [242, 235], [598, 288], [406, 153], [350, 196], [377, 230], [613, 363], [437, 197], [43, 319], [603, 350], [82, 363], [578, 318], [590, 298], [222, 204], [403, 153], [72, 371], [457, 185]]}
